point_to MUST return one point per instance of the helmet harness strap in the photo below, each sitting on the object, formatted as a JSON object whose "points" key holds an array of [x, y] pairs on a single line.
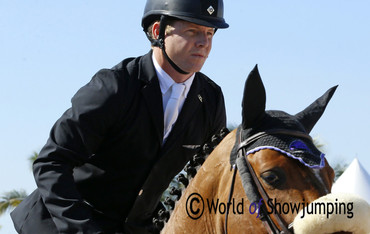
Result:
{"points": [[160, 43]]}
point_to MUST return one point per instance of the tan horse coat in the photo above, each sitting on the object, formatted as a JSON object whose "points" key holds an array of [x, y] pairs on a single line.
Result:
{"points": [[213, 182]]}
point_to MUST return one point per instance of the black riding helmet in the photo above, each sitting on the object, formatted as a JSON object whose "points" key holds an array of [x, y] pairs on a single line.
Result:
{"points": [[207, 13]]}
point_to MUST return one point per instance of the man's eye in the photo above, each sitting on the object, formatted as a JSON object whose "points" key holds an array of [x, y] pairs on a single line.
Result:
{"points": [[192, 31]]}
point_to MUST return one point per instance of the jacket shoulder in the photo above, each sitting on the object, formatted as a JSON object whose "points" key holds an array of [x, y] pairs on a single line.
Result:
{"points": [[109, 91], [209, 86], [121, 77]]}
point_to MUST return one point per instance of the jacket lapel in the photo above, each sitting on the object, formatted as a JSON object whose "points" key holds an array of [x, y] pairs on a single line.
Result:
{"points": [[152, 93], [192, 103]]}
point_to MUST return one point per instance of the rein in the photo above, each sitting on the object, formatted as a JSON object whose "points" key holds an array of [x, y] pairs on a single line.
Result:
{"points": [[246, 169]]}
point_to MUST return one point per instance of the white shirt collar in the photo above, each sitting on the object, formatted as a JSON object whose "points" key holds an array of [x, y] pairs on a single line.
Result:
{"points": [[165, 81]]}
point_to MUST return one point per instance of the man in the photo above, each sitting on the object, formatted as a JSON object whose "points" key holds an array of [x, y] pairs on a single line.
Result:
{"points": [[130, 130]]}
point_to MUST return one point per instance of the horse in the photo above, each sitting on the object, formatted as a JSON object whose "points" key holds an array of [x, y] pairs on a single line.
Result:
{"points": [[259, 176]]}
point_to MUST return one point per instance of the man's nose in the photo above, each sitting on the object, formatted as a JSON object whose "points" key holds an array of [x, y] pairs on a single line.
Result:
{"points": [[203, 40]]}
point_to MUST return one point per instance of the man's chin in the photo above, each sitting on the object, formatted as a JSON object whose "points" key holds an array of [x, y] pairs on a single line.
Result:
{"points": [[195, 68]]}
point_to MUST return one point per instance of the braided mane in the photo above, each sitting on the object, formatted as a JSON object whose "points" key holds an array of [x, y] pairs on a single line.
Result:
{"points": [[173, 193]]}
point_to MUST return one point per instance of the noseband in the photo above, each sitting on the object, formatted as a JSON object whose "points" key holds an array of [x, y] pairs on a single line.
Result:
{"points": [[249, 177]]}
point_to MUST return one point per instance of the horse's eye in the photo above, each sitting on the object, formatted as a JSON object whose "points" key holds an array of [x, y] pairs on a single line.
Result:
{"points": [[273, 178]]}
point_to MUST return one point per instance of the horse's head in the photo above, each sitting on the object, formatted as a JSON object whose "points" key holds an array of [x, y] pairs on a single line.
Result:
{"points": [[267, 170], [287, 164]]}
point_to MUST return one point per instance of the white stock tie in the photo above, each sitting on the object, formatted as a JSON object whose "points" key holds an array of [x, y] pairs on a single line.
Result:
{"points": [[172, 108]]}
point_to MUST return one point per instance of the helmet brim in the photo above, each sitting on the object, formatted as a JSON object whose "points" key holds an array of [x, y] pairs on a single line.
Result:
{"points": [[211, 22]]}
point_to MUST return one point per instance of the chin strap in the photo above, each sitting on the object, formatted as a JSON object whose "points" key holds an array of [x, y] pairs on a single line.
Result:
{"points": [[160, 43], [177, 68]]}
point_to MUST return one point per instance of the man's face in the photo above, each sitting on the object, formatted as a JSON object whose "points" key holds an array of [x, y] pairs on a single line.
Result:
{"points": [[188, 45]]}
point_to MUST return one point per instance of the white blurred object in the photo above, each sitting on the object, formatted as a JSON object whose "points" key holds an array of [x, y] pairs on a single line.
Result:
{"points": [[355, 179], [348, 212]]}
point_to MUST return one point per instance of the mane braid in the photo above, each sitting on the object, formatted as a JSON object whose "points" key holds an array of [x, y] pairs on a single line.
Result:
{"points": [[190, 169]]}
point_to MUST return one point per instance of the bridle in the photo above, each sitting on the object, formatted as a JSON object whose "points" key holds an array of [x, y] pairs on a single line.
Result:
{"points": [[260, 193]]}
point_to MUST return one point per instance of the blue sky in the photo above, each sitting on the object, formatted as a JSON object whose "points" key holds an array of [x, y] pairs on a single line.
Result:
{"points": [[48, 50]]}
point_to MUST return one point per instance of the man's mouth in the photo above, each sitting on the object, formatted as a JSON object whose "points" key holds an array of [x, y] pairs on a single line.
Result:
{"points": [[199, 55]]}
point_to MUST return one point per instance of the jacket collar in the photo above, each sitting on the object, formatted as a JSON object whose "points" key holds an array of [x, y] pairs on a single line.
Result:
{"points": [[146, 71], [151, 92]]}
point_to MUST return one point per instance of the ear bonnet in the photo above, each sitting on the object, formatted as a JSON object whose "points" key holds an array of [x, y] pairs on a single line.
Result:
{"points": [[277, 130]]}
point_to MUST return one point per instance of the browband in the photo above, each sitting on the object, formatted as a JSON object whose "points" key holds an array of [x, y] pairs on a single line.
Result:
{"points": [[259, 135]]}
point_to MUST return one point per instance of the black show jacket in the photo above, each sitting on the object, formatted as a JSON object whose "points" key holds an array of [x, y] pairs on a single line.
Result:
{"points": [[104, 164]]}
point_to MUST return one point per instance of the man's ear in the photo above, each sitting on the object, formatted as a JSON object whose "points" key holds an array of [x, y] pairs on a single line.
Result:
{"points": [[155, 30]]}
